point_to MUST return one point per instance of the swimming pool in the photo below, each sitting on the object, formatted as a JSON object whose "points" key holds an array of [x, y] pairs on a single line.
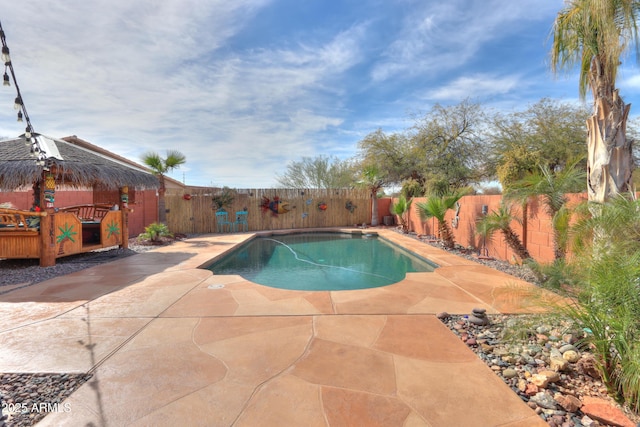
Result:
{"points": [[321, 261]]}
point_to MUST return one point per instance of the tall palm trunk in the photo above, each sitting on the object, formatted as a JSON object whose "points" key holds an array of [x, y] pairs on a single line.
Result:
{"points": [[610, 157], [514, 242], [446, 234], [162, 208], [374, 208]]}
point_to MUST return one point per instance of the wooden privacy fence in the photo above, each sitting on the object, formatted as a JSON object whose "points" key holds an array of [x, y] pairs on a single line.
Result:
{"points": [[192, 210]]}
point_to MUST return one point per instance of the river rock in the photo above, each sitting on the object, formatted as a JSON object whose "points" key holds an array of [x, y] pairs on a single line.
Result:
{"points": [[571, 356], [443, 315], [558, 364], [542, 379], [587, 365], [603, 411], [569, 403], [479, 317], [544, 400], [567, 347], [509, 373]]}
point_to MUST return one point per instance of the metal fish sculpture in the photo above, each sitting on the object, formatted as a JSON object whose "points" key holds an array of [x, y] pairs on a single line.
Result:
{"points": [[275, 206]]}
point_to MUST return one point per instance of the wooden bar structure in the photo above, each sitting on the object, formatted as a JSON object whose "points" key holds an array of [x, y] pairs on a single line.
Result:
{"points": [[70, 231], [47, 232], [19, 234]]}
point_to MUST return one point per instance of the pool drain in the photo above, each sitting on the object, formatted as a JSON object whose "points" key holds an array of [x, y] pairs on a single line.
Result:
{"points": [[215, 286]]}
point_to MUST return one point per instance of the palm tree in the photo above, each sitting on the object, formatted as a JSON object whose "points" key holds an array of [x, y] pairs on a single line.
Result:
{"points": [[437, 207], [399, 208], [160, 168], [500, 220], [373, 180], [552, 187], [594, 34]]}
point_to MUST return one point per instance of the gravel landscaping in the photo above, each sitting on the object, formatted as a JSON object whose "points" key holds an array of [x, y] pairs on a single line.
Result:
{"points": [[540, 358]]}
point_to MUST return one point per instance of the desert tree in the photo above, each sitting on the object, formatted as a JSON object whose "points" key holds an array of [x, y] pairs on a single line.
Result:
{"points": [[318, 172]]}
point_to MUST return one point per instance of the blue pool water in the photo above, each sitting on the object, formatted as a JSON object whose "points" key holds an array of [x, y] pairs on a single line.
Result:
{"points": [[321, 261]]}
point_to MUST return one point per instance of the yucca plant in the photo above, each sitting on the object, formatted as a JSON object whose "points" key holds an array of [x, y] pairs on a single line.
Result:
{"points": [[400, 208], [437, 207]]}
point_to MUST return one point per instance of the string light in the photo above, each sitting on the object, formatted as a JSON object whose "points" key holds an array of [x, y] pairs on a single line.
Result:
{"points": [[5, 52], [30, 140]]}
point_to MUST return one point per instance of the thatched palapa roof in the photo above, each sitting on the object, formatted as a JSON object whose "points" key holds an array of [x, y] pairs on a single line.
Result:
{"points": [[73, 164]]}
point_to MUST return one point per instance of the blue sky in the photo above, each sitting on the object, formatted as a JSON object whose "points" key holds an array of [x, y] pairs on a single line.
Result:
{"points": [[244, 87]]}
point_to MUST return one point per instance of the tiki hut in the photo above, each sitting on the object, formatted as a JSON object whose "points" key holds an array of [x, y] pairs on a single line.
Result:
{"points": [[49, 231], [71, 165]]}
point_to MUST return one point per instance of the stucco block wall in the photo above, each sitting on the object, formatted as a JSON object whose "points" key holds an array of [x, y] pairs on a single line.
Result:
{"points": [[539, 231]]}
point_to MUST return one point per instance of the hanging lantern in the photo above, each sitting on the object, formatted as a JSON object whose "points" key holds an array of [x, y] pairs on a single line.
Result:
{"points": [[49, 190]]}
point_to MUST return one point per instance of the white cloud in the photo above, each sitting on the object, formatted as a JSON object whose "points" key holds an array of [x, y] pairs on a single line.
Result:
{"points": [[475, 87], [440, 36]]}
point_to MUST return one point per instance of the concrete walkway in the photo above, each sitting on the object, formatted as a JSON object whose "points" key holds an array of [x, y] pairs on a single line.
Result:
{"points": [[170, 344]]}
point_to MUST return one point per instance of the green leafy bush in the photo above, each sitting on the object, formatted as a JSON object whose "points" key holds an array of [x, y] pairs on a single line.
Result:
{"points": [[603, 281], [155, 231]]}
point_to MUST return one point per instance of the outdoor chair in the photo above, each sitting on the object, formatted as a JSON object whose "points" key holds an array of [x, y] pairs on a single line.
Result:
{"points": [[241, 219], [222, 221]]}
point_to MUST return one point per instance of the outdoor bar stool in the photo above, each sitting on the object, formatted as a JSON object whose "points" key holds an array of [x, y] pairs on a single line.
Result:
{"points": [[222, 221], [241, 218]]}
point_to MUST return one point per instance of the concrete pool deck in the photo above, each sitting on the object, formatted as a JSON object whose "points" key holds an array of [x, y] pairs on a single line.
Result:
{"points": [[171, 344]]}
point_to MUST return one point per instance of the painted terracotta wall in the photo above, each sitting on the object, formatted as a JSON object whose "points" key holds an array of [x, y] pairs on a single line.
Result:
{"points": [[145, 206], [539, 232]]}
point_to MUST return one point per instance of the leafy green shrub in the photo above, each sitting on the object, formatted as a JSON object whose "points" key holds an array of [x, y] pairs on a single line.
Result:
{"points": [[155, 231], [223, 198], [560, 276], [400, 208], [437, 207], [605, 289]]}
